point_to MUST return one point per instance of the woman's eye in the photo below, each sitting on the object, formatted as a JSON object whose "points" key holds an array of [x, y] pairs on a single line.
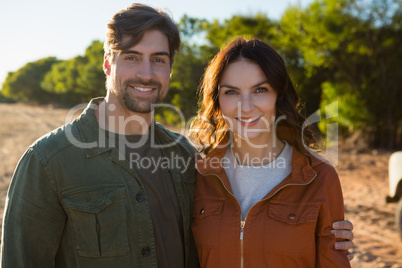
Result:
{"points": [[230, 92], [261, 89]]}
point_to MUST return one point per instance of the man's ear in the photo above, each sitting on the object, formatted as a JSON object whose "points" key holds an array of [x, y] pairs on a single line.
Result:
{"points": [[106, 65]]}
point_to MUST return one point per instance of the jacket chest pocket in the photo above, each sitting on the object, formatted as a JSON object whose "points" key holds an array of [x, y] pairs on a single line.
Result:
{"points": [[207, 215], [98, 219], [290, 228]]}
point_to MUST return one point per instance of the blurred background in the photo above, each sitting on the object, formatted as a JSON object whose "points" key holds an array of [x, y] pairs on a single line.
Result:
{"points": [[346, 51]]}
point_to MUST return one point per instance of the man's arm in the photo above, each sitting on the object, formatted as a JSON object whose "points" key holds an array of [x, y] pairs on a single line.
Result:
{"points": [[33, 218], [343, 230]]}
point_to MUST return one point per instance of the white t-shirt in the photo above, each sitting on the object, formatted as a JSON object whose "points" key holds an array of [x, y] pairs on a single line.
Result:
{"points": [[251, 183]]}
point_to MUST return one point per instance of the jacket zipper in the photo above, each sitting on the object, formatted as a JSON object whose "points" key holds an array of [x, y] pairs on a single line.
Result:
{"points": [[243, 223]]}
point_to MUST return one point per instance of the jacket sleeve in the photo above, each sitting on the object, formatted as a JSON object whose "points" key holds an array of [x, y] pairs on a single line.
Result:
{"points": [[331, 210], [33, 218]]}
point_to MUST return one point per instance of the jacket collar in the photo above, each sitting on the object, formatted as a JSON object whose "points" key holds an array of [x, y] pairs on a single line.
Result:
{"points": [[302, 171], [94, 139]]}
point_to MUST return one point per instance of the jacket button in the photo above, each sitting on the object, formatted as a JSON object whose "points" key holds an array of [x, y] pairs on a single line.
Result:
{"points": [[140, 197], [146, 252], [202, 211], [292, 216]]}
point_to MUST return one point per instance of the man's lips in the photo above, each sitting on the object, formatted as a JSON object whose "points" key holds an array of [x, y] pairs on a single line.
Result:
{"points": [[142, 90]]}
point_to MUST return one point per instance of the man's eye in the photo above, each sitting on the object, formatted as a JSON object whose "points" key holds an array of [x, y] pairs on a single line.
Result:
{"points": [[130, 58], [159, 60]]}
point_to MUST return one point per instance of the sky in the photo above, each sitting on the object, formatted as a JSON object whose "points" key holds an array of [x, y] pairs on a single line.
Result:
{"points": [[31, 30]]}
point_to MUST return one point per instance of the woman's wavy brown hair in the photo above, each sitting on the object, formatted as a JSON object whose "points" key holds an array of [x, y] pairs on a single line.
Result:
{"points": [[209, 128]]}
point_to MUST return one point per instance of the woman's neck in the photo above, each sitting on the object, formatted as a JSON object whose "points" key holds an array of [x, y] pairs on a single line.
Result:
{"points": [[249, 154]]}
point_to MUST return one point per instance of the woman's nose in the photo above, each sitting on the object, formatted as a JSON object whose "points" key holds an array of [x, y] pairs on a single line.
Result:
{"points": [[246, 104]]}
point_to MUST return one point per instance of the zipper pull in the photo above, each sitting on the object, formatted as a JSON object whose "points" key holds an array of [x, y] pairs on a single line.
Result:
{"points": [[242, 223]]}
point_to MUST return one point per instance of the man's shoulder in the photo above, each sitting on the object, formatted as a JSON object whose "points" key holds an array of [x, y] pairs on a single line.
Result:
{"points": [[54, 141], [70, 135]]}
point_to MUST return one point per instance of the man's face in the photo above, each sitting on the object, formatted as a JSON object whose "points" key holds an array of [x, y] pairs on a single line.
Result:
{"points": [[139, 76]]}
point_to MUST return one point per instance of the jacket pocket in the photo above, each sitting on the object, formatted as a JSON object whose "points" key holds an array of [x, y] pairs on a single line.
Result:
{"points": [[290, 228], [207, 215], [98, 218]]}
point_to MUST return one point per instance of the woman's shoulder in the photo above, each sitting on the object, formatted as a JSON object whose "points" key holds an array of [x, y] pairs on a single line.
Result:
{"points": [[326, 171]]}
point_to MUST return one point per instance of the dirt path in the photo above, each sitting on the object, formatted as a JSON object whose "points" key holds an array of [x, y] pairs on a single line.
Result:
{"points": [[364, 179]]}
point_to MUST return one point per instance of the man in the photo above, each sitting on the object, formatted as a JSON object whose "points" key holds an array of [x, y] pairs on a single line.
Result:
{"points": [[81, 196]]}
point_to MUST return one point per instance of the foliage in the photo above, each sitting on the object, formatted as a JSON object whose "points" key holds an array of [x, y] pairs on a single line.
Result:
{"points": [[3, 99], [337, 51], [78, 79], [24, 84]]}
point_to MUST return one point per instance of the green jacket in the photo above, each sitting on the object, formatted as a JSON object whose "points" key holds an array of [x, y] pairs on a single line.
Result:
{"points": [[73, 202]]}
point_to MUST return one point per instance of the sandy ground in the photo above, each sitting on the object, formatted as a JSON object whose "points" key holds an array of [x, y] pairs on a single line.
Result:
{"points": [[364, 179]]}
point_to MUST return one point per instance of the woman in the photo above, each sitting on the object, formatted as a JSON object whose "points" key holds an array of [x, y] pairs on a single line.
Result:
{"points": [[261, 198]]}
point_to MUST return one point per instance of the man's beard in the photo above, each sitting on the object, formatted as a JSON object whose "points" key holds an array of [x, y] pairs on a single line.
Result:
{"points": [[141, 104]]}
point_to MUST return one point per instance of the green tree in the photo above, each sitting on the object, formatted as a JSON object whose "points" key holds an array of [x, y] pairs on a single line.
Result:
{"points": [[220, 33], [24, 84], [91, 80], [78, 79], [62, 80], [350, 49], [3, 99]]}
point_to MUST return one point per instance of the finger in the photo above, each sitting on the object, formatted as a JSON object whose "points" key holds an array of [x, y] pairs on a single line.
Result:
{"points": [[343, 225], [343, 234], [344, 245], [346, 207], [350, 256]]}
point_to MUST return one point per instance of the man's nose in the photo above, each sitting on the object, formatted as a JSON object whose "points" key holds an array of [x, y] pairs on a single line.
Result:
{"points": [[145, 71]]}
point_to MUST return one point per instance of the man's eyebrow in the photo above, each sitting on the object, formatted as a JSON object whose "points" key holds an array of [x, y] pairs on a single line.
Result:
{"points": [[254, 86], [161, 53], [131, 52]]}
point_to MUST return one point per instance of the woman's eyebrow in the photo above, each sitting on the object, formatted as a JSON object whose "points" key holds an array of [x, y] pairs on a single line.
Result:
{"points": [[233, 87]]}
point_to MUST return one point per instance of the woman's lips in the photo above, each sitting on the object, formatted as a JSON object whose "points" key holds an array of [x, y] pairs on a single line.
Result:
{"points": [[248, 121]]}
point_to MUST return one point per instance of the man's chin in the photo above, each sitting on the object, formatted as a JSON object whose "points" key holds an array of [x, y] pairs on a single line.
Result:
{"points": [[141, 108]]}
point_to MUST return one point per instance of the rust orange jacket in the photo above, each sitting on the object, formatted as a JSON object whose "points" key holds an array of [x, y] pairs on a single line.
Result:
{"points": [[290, 227]]}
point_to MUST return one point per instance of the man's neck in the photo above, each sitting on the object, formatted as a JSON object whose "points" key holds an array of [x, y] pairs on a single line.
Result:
{"points": [[116, 119]]}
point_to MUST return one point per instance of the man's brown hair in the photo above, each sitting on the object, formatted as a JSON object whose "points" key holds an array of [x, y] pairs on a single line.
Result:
{"points": [[134, 21]]}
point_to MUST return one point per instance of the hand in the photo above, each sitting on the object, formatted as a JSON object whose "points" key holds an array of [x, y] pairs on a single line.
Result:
{"points": [[343, 230]]}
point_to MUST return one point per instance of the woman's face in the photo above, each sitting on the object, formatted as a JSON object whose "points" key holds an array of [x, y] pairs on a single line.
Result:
{"points": [[247, 101]]}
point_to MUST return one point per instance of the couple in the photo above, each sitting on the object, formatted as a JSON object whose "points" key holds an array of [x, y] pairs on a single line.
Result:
{"points": [[260, 198]]}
